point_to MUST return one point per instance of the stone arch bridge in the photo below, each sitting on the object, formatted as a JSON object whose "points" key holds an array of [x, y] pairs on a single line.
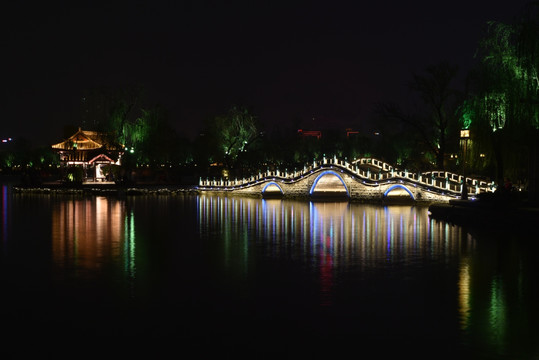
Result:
{"points": [[361, 179]]}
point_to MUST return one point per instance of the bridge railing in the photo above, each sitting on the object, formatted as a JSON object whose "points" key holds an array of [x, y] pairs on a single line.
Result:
{"points": [[373, 162]]}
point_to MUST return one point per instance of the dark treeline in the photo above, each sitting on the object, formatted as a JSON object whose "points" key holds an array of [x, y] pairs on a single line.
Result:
{"points": [[498, 106]]}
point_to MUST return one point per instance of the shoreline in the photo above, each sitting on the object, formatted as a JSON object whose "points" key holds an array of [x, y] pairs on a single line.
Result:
{"points": [[496, 213], [103, 189], [500, 214], [113, 189]]}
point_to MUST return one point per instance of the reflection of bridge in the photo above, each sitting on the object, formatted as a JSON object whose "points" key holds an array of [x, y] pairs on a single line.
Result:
{"points": [[361, 179]]}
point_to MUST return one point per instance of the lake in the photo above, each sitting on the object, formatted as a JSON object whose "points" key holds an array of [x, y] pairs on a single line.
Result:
{"points": [[247, 277]]}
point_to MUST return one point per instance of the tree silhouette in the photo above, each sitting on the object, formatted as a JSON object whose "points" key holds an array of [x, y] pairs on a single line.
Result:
{"points": [[437, 123]]}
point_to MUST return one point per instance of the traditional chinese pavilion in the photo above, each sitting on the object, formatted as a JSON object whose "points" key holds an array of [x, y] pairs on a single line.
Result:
{"points": [[90, 149]]}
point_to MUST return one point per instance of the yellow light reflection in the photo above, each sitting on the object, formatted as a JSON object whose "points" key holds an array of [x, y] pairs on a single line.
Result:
{"points": [[464, 286], [88, 233]]}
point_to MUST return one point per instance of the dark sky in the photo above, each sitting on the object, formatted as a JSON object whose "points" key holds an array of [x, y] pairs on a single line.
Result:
{"points": [[285, 60]]}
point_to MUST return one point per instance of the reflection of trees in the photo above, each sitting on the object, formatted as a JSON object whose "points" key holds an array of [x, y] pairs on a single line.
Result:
{"points": [[497, 282]]}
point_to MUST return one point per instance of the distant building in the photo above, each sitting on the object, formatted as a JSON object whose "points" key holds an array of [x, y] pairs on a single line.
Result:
{"points": [[314, 133], [91, 150], [350, 133]]}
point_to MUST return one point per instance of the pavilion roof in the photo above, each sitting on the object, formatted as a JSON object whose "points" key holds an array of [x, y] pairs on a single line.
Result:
{"points": [[85, 140]]}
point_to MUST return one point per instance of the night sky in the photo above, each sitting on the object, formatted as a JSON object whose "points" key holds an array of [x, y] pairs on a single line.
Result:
{"points": [[284, 60]]}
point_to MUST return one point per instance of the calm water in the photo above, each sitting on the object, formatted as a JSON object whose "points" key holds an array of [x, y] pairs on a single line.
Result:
{"points": [[243, 276]]}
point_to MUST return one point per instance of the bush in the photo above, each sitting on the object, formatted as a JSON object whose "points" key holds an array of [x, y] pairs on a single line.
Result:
{"points": [[74, 175]]}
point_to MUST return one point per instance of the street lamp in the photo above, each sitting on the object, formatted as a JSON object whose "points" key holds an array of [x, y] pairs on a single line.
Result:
{"points": [[464, 138]]}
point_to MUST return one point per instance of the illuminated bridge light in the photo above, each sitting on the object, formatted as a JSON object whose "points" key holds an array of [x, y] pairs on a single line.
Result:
{"points": [[329, 182], [398, 191], [272, 189], [441, 189]]}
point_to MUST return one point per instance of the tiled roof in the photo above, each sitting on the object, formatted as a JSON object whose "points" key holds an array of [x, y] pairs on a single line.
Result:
{"points": [[85, 140]]}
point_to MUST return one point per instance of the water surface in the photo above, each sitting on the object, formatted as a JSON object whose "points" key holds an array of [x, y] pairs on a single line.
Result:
{"points": [[264, 278]]}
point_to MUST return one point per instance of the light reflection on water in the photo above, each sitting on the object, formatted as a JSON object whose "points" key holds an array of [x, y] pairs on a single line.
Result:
{"points": [[5, 211], [340, 239], [351, 234], [89, 234], [391, 270]]}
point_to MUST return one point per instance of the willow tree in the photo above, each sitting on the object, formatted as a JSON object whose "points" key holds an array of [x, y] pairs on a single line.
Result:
{"points": [[111, 111], [503, 111], [233, 134], [152, 140]]}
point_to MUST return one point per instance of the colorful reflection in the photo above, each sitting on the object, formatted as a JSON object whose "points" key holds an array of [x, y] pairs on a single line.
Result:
{"points": [[342, 252], [492, 283], [348, 232], [91, 233], [5, 211], [328, 236]]}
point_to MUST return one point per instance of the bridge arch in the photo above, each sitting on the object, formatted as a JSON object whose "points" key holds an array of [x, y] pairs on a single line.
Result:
{"points": [[329, 174], [272, 188], [397, 187]]}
